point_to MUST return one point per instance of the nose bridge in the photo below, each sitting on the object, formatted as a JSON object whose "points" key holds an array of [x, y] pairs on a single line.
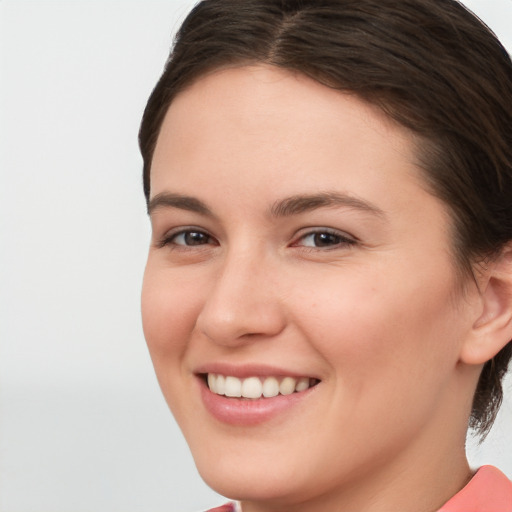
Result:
{"points": [[242, 299]]}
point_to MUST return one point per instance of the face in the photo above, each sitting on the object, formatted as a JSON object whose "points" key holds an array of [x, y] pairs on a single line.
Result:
{"points": [[298, 261]]}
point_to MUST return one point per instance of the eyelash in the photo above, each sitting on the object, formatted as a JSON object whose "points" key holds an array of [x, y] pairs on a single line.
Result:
{"points": [[169, 238], [342, 240]]}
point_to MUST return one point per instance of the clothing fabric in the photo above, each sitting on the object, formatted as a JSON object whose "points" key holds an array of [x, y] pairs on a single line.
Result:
{"points": [[488, 491], [229, 507]]}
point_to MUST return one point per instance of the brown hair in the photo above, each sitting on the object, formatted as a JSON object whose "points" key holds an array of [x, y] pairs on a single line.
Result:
{"points": [[430, 65]]}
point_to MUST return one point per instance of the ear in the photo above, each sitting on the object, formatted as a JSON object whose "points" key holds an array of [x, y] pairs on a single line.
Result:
{"points": [[492, 329]]}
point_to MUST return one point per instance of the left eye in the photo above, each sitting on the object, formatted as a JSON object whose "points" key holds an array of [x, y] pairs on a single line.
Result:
{"points": [[190, 238], [324, 239]]}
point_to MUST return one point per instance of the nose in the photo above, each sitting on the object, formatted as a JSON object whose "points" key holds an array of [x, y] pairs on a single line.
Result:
{"points": [[242, 303]]}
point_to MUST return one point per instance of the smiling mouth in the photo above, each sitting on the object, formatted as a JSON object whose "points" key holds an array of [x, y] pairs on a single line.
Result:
{"points": [[257, 387]]}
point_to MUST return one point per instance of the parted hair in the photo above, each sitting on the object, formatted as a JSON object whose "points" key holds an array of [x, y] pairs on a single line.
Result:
{"points": [[430, 65]]}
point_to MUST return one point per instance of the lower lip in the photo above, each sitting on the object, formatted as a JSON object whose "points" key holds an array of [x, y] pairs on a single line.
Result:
{"points": [[245, 412]]}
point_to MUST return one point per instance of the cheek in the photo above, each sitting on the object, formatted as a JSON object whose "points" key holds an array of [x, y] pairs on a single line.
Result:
{"points": [[167, 317], [391, 351], [384, 328]]}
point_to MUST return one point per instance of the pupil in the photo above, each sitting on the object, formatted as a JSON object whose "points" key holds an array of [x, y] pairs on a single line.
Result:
{"points": [[323, 239], [195, 238]]}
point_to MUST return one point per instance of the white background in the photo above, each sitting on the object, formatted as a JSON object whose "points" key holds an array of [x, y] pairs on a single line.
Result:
{"points": [[82, 424]]}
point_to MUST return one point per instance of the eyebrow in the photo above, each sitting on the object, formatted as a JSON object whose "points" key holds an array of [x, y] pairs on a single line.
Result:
{"points": [[304, 203], [170, 200], [289, 206]]}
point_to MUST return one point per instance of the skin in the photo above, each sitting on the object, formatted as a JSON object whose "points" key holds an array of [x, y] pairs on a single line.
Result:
{"points": [[379, 319]]}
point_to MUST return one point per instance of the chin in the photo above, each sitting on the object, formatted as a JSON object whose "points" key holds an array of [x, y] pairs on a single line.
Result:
{"points": [[248, 472], [249, 483]]}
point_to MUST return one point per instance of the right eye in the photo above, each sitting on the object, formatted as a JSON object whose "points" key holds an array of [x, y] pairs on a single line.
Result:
{"points": [[187, 238]]}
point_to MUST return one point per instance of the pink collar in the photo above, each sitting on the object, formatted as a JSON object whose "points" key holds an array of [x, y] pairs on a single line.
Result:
{"points": [[488, 491]]}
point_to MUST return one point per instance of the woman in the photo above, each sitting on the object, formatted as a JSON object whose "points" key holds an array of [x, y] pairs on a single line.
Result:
{"points": [[328, 294]]}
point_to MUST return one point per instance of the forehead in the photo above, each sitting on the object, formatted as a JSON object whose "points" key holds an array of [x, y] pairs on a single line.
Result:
{"points": [[279, 93], [265, 116]]}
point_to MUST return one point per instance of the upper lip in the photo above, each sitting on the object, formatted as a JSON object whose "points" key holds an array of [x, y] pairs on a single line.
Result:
{"points": [[249, 370]]}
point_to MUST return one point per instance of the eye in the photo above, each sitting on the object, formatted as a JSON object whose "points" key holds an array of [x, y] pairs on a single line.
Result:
{"points": [[324, 238], [191, 238], [187, 238]]}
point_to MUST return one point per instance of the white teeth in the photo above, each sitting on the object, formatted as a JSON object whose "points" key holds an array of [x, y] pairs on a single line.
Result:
{"points": [[252, 387], [302, 384], [270, 387], [255, 387], [287, 386], [220, 385], [212, 382], [233, 387]]}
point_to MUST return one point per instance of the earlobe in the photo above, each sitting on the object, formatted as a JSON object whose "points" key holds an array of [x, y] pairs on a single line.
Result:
{"points": [[492, 329]]}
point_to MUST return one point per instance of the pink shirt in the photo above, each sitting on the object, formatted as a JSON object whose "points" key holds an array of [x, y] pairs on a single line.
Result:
{"points": [[488, 491]]}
